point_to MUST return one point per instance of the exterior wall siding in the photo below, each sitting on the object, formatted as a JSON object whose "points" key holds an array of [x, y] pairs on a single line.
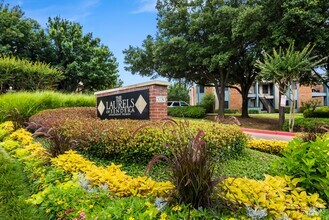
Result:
{"points": [[234, 98]]}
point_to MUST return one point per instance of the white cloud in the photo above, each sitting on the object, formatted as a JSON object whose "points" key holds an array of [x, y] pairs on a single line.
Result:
{"points": [[72, 10], [145, 6]]}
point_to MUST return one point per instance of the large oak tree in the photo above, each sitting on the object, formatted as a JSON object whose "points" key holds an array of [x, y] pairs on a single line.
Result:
{"points": [[204, 42]]}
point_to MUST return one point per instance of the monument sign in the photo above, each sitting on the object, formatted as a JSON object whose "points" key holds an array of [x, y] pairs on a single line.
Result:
{"points": [[140, 101], [134, 105]]}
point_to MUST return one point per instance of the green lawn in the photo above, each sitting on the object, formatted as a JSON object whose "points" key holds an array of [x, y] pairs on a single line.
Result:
{"points": [[268, 115], [14, 190], [251, 164], [275, 115]]}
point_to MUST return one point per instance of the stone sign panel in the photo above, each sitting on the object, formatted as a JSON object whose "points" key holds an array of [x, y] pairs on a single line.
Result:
{"points": [[133, 105]]}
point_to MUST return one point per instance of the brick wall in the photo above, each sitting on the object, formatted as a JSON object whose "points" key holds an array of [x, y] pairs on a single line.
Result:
{"points": [[235, 99], [304, 94], [157, 110]]}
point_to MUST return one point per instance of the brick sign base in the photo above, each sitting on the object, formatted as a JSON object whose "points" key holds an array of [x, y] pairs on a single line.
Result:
{"points": [[139, 101]]}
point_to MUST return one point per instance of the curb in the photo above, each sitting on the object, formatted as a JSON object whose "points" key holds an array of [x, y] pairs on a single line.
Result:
{"points": [[283, 133]]}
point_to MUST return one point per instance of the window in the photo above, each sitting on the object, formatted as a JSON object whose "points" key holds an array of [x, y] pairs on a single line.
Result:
{"points": [[201, 89], [265, 89], [183, 104], [226, 104], [176, 104]]}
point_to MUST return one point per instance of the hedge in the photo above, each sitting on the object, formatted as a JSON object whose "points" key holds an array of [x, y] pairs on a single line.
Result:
{"points": [[122, 139], [319, 112], [308, 125], [187, 111]]}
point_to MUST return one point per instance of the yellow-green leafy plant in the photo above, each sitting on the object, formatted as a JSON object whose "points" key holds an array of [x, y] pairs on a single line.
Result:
{"points": [[268, 146], [5, 129], [10, 145], [279, 196], [117, 181], [22, 136]]}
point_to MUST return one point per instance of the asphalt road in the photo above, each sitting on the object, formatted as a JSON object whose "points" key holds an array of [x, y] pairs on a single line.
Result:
{"points": [[269, 135]]}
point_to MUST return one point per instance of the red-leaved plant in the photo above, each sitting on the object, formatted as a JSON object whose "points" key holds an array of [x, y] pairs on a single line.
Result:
{"points": [[59, 142]]}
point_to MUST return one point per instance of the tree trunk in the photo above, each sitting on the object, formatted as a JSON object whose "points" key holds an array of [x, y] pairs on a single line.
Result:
{"points": [[220, 101], [292, 109], [281, 108], [244, 113]]}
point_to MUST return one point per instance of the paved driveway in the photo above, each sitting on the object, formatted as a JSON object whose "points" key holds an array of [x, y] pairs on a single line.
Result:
{"points": [[269, 135]]}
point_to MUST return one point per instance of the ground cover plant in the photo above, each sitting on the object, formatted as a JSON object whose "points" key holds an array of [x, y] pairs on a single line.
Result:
{"points": [[269, 146], [19, 106], [252, 164], [122, 138]]}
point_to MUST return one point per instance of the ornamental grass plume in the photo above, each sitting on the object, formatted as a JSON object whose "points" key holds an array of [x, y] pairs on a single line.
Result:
{"points": [[191, 168]]}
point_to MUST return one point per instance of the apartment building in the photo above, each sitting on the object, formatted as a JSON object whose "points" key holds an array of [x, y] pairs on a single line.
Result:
{"points": [[263, 96]]}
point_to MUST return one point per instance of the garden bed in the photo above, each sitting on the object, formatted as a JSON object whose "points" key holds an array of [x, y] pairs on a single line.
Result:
{"points": [[73, 187]]}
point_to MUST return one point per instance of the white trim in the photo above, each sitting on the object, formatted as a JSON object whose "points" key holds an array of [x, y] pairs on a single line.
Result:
{"points": [[154, 82]]}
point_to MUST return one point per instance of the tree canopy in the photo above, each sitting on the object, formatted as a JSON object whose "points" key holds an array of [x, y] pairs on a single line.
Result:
{"points": [[81, 57], [20, 36], [205, 42], [178, 92], [218, 42]]}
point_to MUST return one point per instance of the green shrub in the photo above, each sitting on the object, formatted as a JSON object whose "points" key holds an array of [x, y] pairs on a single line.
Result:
{"points": [[269, 146], [319, 112], [187, 111], [309, 162], [22, 74], [311, 105], [21, 105], [114, 138], [208, 102], [253, 111], [286, 109], [308, 125], [229, 111]]}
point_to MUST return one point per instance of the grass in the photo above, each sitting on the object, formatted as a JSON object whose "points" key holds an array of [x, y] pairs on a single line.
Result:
{"points": [[275, 115], [268, 115], [25, 104], [14, 190], [251, 164]]}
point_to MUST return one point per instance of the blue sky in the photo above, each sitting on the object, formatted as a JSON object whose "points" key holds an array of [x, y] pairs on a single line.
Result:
{"points": [[118, 23]]}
